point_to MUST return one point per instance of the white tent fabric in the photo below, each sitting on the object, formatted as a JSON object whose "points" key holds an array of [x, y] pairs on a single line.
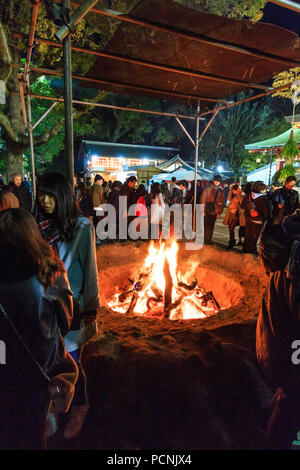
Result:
{"points": [[180, 174]]}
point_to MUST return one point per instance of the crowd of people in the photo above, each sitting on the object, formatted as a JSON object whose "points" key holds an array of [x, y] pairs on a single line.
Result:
{"points": [[49, 294], [248, 207]]}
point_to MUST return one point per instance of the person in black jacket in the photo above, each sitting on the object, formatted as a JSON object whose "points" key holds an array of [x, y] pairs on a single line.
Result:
{"points": [[19, 189], [36, 297], [256, 208], [113, 199], [278, 332], [285, 200]]}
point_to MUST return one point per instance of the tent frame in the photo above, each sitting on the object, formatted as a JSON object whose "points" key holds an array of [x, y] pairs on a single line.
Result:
{"points": [[68, 100]]}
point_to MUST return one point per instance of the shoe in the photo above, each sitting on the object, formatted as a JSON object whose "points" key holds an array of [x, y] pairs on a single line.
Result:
{"points": [[76, 420]]}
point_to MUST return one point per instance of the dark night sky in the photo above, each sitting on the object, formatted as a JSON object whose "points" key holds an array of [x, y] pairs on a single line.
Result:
{"points": [[282, 17]]}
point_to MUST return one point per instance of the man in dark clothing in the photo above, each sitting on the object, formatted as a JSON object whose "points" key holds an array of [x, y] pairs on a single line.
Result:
{"points": [[278, 334], [177, 192], [18, 188], [213, 199], [256, 209], [285, 200], [190, 196], [129, 191]]}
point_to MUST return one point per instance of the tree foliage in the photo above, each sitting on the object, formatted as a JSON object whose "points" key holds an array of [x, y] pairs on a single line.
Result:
{"points": [[283, 78], [93, 32], [250, 9], [232, 129]]}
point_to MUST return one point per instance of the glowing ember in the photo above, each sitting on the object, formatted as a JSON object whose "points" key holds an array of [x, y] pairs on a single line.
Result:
{"points": [[161, 290]]}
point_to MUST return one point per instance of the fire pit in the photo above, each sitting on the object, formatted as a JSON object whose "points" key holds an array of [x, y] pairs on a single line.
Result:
{"points": [[183, 384], [161, 290], [164, 281]]}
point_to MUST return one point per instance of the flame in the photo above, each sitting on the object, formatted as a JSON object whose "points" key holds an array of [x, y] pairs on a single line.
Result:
{"points": [[144, 296]]}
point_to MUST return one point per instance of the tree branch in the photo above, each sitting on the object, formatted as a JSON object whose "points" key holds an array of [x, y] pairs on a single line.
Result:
{"points": [[5, 57], [6, 124]]}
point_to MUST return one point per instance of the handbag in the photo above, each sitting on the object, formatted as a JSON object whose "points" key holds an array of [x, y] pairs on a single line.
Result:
{"points": [[252, 208], [61, 385]]}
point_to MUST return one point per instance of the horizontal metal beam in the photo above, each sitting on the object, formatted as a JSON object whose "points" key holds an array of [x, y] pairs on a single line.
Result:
{"points": [[250, 98], [287, 4], [165, 68], [194, 37], [127, 85], [110, 106]]}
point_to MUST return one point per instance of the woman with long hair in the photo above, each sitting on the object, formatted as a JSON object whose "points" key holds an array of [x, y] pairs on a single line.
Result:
{"points": [[36, 310], [73, 236]]}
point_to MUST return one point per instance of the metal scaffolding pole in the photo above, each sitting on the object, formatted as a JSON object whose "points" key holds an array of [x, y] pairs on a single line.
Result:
{"points": [[110, 106], [25, 83], [69, 144], [30, 133], [196, 163]]}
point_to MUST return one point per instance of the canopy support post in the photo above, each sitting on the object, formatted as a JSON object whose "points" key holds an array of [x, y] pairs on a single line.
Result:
{"points": [[69, 144], [197, 140], [30, 132]]}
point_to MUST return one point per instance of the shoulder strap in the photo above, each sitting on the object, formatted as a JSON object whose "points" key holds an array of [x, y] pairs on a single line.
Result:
{"points": [[40, 368]]}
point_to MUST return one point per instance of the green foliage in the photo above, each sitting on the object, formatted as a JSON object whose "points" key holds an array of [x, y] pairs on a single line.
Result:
{"points": [[283, 78], [281, 175], [250, 9], [290, 151]]}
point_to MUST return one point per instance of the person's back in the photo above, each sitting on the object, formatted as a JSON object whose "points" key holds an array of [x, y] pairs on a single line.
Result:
{"points": [[277, 339], [35, 296]]}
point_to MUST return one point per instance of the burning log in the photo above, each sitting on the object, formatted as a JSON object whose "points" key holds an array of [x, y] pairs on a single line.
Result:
{"points": [[168, 287], [173, 305], [191, 286], [123, 296], [143, 294], [154, 300], [133, 302], [210, 297]]}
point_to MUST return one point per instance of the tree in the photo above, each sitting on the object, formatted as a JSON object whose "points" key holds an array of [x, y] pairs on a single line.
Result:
{"points": [[232, 129], [250, 9], [15, 17], [283, 78]]}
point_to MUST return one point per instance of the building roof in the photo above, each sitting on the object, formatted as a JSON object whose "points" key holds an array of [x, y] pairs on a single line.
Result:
{"points": [[172, 161], [275, 142], [130, 150], [184, 54]]}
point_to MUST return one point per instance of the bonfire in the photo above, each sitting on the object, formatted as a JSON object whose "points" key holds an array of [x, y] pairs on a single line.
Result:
{"points": [[161, 290]]}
